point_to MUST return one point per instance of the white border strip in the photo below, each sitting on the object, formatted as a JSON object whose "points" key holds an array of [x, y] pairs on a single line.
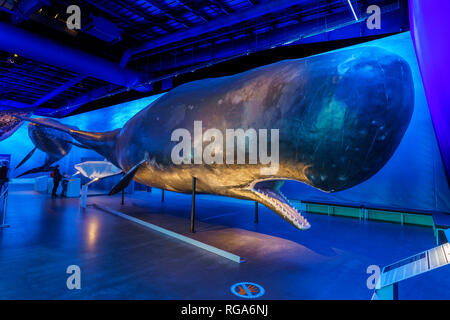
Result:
{"points": [[175, 235]]}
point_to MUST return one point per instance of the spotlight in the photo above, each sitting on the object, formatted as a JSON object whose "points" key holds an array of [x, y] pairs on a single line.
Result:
{"points": [[11, 58]]}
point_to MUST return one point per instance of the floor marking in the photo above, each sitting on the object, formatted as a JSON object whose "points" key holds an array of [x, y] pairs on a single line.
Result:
{"points": [[248, 290], [175, 235]]}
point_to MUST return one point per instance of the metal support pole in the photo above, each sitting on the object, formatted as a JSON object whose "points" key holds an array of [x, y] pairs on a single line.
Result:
{"points": [[193, 205], [162, 195], [396, 291], [256, 212]]}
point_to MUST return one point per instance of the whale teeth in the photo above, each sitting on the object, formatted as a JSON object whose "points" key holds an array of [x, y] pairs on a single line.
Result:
{"points": [[283, 206]]}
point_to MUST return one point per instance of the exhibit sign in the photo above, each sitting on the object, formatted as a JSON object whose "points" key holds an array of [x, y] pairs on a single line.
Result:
{"points": [[392, 274]]}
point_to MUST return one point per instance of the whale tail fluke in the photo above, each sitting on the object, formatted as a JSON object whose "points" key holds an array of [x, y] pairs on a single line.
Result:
{"points": [[103, 143]]}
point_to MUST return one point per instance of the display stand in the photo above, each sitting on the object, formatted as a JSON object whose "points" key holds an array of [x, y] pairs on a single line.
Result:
{"points": [[387, 284], [162, 195], [4, 203], [84, 192]]}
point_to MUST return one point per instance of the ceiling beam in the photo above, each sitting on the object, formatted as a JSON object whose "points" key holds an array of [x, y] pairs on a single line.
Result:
{"points": [[195, 11], [144, 15], [119, 17], [222, 6], [59, 90], [166, 10], [212, 26]]}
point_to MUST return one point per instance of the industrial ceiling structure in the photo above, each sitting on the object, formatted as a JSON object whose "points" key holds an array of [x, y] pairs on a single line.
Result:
{"points": [[142, 45]]}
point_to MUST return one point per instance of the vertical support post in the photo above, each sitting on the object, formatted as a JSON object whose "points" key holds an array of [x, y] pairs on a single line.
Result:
{"points": [[162, 195], [194, 180], [84, 191], [123, 196], [389, 292], [256, 212], [396, 291]]}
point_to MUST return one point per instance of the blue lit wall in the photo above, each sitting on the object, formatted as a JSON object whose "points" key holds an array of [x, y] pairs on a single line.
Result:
{"points": [[430, 35]]}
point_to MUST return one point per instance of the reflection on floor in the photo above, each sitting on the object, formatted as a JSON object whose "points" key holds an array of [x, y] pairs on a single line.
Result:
{"points": [[122, 260]]}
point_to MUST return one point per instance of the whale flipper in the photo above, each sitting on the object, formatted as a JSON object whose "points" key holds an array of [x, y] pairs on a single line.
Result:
{"points": [[126, 179], [102, 178], [28, 156]]}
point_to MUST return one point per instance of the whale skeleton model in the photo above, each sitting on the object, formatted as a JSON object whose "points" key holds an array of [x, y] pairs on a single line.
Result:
{"points": [[340, 116]]}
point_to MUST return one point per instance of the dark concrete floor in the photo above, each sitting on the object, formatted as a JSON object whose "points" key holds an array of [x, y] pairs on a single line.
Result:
{"points": [[122, 260]]}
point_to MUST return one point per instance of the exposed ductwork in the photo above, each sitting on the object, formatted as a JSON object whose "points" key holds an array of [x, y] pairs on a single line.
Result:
{"points": [[44, 50]]}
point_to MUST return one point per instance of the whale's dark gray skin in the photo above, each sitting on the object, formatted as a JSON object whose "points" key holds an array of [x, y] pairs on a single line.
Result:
{"points": [[56, 144], [9, 123], [340, 117]]}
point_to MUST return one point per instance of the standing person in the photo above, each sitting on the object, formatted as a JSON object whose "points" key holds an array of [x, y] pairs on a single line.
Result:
{"points": [[3, 175], [56, 175], [64, 184]]}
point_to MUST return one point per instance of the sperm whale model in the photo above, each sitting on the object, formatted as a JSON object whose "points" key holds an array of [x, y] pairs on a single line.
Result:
{"points": [[340, 118], [56, 144]]}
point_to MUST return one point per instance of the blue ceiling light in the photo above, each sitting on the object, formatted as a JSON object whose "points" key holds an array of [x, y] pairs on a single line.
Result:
{"points": [[353, 10]]}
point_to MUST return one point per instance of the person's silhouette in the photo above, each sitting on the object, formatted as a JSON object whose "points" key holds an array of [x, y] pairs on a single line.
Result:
{"points": [[3, 175], [56, 175]]}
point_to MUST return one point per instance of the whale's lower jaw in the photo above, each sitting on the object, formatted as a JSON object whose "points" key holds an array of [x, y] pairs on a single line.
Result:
{"points": [[276, 201]]}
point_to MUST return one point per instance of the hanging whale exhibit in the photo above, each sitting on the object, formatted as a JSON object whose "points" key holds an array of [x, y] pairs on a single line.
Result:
{"points": [[334, 121], [54, 143]]}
